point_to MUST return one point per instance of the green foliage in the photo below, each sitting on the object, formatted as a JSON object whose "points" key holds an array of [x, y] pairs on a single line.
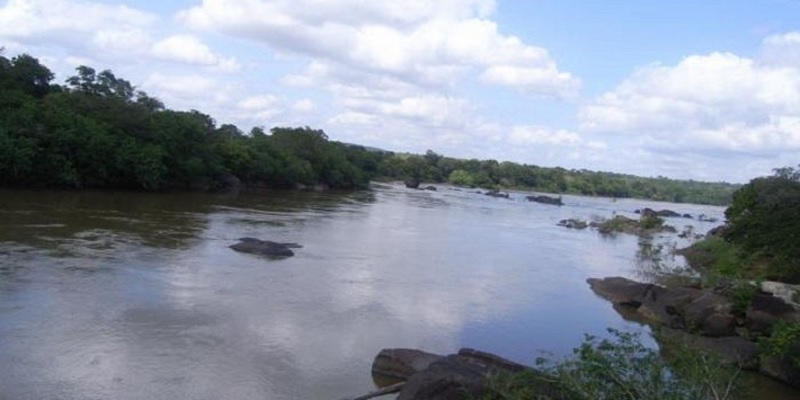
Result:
{"points": [[98, 131], [623, 368], [783, 341], [764, 221], [741, 294], [461, 178], [717, 256], [649, 222]]}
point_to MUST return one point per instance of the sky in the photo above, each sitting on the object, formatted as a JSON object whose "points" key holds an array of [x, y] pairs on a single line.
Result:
{"points": [[706, 90]]}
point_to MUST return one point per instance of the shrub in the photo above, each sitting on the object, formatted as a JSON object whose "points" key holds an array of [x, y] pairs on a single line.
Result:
{"points": [[623, 368]]}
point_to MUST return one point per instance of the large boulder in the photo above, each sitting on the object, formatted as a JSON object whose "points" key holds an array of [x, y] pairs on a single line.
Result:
{"points": [[412, 183], [265, 247], [458, 376], [397, 365], [448, 378], [732, 349], [556, 201], [696, 310]]}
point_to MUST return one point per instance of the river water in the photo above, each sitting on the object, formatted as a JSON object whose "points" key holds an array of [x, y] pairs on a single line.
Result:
{"points": [[109, 295]]}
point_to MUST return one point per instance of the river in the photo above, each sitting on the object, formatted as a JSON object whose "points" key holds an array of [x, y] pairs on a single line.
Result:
{"points": [[113, 295]]}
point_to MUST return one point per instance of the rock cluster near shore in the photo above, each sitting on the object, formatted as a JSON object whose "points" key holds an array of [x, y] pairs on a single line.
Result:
{"points": [[265, 247], [419, 375], [707, 319]]}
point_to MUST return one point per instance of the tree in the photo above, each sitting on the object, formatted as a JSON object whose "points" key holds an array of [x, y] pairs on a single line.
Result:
{"points": [[764, 220]]}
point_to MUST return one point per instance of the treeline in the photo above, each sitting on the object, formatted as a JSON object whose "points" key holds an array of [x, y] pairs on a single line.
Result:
{"points": [[98, 131], [433, 167]]}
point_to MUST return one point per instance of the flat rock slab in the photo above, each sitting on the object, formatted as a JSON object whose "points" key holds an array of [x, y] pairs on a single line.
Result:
{"points": [[265, 247]]}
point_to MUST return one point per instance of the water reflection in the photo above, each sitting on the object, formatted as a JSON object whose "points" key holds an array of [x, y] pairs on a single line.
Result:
{"points": [[136, 296]]}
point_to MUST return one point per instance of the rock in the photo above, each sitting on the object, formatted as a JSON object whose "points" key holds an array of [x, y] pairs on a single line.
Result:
{"points": [[783, 368], [624, 291], [497, 193], [783, 291], [688, 216], [697, 310], [456, 376], [573, 223], [556, 201], [649, 212], [448, 378], [668, 214], [706, 218], [733, 349], [717, 231], [265, 247], [709, 314], [396, 365], [412, 183], [431, 188]]}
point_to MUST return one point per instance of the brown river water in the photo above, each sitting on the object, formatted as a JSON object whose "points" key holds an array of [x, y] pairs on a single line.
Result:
{"points": [[108, 295]]}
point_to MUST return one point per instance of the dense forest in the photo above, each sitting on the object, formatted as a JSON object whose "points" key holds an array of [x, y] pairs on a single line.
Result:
{"points": [[98, 131]]}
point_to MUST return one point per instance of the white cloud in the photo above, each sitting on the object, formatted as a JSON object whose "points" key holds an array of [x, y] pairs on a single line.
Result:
{"points": [[724, 114], [427, 44], [533, 135], [719, 102], [191, 50], [304, 106], [28, 20]]}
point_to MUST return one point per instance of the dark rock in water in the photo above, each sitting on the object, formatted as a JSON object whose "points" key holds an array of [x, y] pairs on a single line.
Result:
{"points": [[556, 201], [412, 183], [457, 376], [430, 187], [649, 212], [573, 223], [706, 218], [497, 193], [688, 216], [265, 247]]}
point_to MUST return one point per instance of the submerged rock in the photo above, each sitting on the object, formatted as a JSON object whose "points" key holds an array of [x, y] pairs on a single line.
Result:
{"points": [[265, 247], [556, 201], [497, 193], [573, 223]]}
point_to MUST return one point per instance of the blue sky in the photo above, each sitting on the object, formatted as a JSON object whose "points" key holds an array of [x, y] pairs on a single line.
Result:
{"points": [[702, 90]]}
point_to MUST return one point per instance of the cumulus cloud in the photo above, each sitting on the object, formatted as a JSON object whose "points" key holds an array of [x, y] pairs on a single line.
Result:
{"points": [[191, 50], [720, 101], [428, 44], [721, 106], [100, 30]]}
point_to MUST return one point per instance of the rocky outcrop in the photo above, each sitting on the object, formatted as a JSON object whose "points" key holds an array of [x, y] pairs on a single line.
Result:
{"points": [[265, 247], [412, 183], [649, 212], [706, 319], [556, 201], [573, 223], [429, 376]]}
